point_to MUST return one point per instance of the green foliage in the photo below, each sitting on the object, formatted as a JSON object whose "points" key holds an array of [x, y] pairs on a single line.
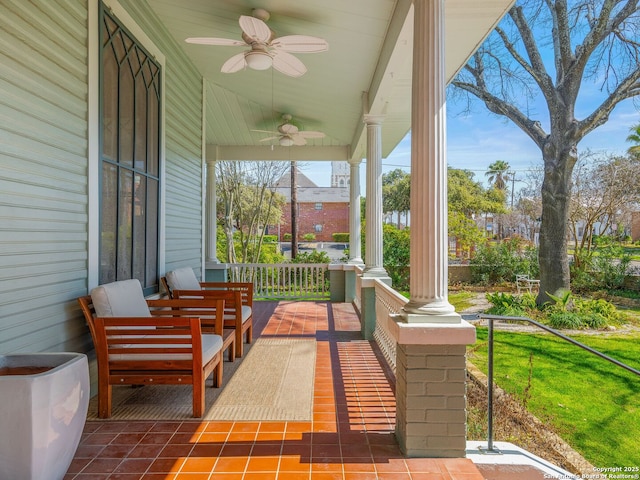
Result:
{"points": [[395, 252], [495, 263], [314, 256], [564, 311], [270, 239], [605, 268], [505, 304], [466, 196], [308, 237], [269, 251], [568, 311], [286, 237], [341, 237], [396, 191]]}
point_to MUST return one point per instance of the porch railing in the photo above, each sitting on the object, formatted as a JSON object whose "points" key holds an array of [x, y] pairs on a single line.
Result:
{"points": [[285, 280], [388, 302], [357, 300]]}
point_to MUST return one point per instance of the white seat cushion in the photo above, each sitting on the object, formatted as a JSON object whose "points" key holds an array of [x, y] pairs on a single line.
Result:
{"points": [[182, 279], [120, 299], [211, 344], [246, 314]]}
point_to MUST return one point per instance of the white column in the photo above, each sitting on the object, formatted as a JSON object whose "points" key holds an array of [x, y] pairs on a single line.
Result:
{"points": [[429, 246], [355, 250], [373, 211], [210, 212]]}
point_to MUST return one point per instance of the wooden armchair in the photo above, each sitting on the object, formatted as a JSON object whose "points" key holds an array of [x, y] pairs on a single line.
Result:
{"points": [[238, 297], [150, 343]]}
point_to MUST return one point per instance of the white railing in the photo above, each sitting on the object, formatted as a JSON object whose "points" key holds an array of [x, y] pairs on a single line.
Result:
{"points": [[357, 300], [284, 280], [388, 302]]}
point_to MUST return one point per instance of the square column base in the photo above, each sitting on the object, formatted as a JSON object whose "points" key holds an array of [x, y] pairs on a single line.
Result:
{"points": [[431, 387]]}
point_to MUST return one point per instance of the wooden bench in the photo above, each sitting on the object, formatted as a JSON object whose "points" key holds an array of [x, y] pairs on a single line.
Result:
{"points": [[166, 346]]}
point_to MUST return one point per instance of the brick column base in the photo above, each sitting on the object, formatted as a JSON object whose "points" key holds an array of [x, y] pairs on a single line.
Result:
{"points": [[431, 400]]}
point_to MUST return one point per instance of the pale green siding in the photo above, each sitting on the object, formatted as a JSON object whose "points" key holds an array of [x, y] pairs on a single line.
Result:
{"points": [[43, 175], [44, 167]]}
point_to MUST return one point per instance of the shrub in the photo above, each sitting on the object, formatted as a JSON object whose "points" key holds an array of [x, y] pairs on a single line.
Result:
{"points": [[341, 237], [564, 319], [287, 237], [506, 304], [312, 257], [495, 263], [270, 239], [606, 269], [564, 311], [308, 237]]}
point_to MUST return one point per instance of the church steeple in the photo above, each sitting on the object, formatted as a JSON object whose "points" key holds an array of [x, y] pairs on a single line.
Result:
{"points": [[340, 174]]}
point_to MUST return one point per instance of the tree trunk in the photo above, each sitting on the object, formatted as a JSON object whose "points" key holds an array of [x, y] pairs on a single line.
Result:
{"points": [[556, 196]]}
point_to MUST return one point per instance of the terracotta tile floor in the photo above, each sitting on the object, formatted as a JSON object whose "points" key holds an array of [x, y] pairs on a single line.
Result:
{"points": [[350, 437]]}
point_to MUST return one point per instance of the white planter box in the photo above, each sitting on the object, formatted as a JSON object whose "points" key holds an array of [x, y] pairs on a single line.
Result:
{"points": [[42, 413]]}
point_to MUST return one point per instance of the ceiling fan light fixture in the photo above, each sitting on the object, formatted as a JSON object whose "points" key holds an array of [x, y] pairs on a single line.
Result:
{"points": [[286, 141], [258, 60]]}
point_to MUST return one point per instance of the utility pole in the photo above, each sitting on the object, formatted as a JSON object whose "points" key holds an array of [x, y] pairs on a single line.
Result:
{"points": [[294, 210], [513, 186]]}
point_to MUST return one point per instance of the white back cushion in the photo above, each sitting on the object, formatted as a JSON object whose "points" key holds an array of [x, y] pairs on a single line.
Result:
{"points": [[120, 299], [182, 279]]}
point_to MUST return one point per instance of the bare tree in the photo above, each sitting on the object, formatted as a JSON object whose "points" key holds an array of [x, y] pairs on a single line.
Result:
{"points": [[594, 40], [248, 198], [604, 188]]}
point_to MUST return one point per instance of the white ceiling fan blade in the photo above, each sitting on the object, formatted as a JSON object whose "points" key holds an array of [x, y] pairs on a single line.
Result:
{"points": [[288, 64], [288, 129], [270, 138], [299, 140], [234, 64], [223, 42], [311, 134], [266, 131], [255, 28], [300, 44]]}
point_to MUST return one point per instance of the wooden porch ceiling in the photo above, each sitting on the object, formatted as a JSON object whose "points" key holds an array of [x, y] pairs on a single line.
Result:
{"points": [[370, 50]]}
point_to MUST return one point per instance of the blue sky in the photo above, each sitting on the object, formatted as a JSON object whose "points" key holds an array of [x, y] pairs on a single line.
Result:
{"points": [[477, 139]]}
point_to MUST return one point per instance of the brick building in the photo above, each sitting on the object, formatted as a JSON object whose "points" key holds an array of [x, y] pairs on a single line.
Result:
{"points": [[322, 211]]}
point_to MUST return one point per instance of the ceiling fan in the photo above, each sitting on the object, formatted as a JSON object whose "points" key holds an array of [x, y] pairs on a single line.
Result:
{"points": [[266, 50], [288, 134]]}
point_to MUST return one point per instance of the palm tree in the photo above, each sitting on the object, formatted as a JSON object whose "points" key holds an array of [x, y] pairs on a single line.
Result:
{"points": [[635, 138], [498, 174]]}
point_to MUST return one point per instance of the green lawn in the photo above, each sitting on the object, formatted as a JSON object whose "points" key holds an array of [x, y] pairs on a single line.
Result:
{"points": [[592, 404]]}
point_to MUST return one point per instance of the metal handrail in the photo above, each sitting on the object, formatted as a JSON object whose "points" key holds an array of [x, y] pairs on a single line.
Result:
{"points": [[491, 318]]}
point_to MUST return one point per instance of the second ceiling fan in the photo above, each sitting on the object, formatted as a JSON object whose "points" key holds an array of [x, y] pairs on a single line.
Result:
{"points": [[266, 50], [288, 134]]}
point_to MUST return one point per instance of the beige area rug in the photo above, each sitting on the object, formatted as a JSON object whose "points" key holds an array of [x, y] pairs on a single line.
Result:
{"points": [[273, 381]]}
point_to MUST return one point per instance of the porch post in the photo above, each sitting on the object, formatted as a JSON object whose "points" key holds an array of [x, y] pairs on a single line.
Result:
{"points": [[374, 269], [373, 210], [431, 336], [211, 223], [355, 249]]}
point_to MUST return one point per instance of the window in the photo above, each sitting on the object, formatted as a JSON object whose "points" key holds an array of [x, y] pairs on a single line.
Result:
{"points": [[129, 157], [318, 228], [319, 206]]}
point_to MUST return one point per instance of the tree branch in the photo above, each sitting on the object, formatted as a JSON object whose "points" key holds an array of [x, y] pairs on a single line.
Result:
{"points": [[501, 107], [628, 88], [542, 77], [600, 28]]}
